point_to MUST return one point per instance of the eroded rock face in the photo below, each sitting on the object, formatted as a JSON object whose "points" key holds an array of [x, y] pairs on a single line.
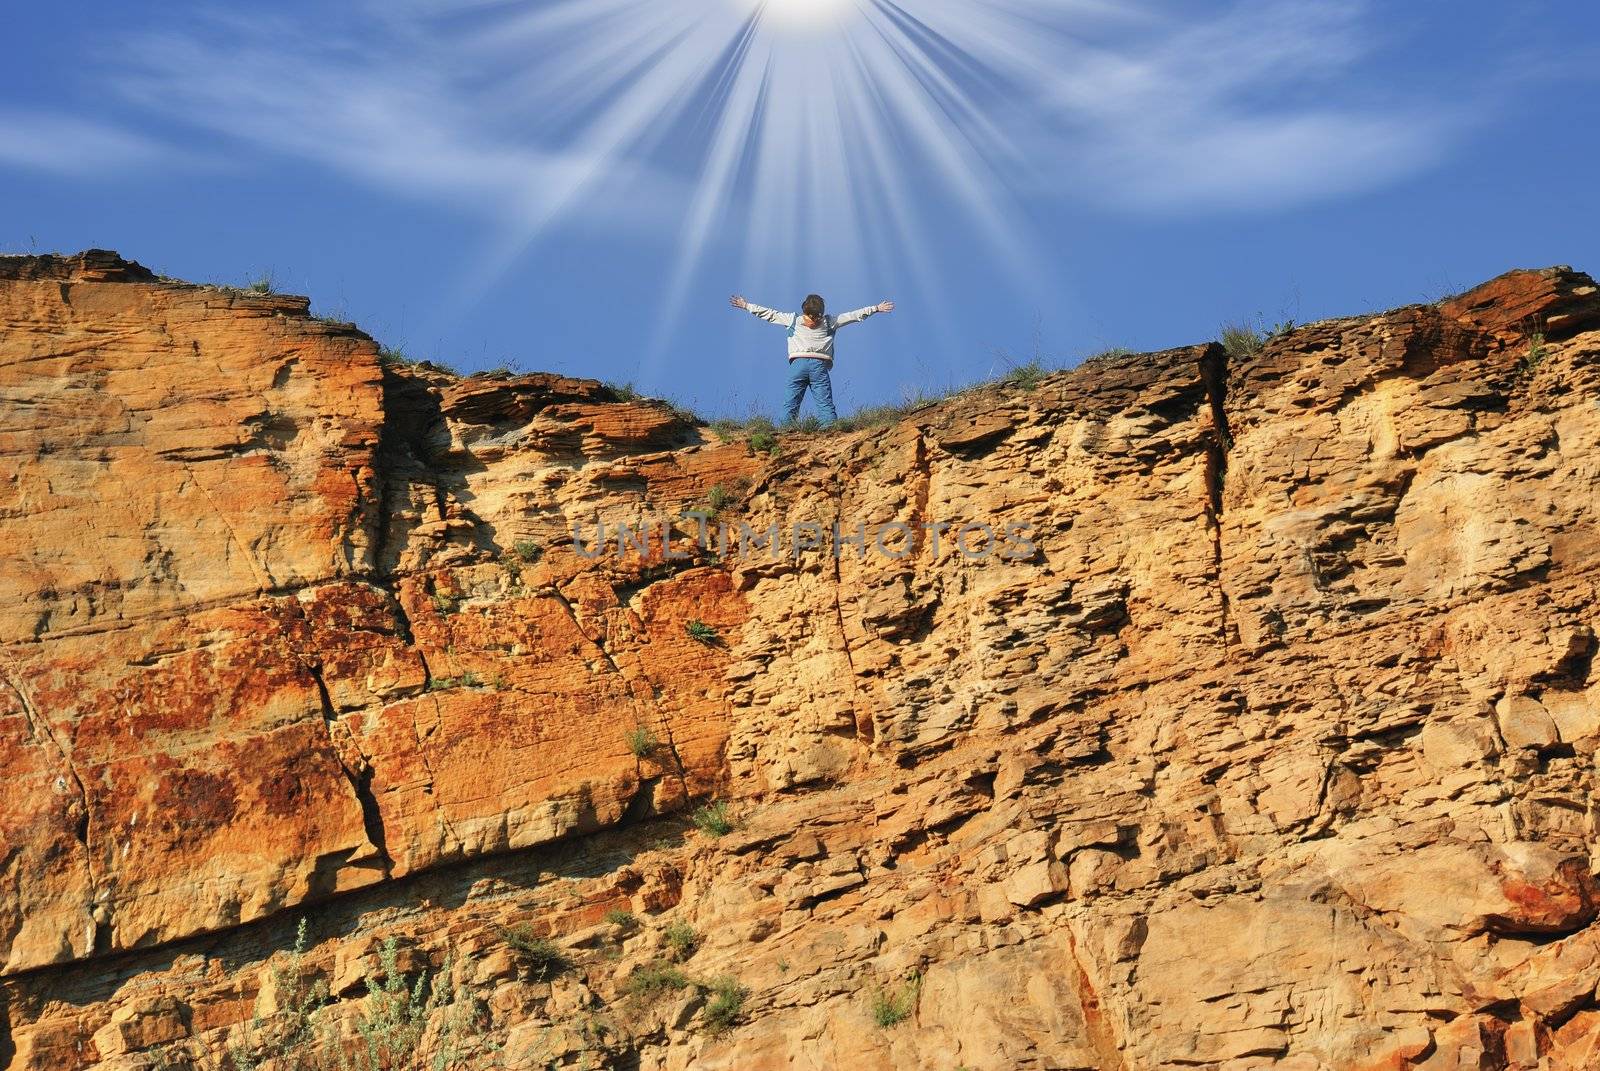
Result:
{"points": [[1274, 746]]}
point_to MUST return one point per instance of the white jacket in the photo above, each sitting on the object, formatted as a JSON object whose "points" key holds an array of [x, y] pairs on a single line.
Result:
{"points": [[810, 341]]}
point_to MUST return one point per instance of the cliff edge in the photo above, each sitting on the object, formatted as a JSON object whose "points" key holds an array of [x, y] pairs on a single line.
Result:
{"points": [[1182, 709]]}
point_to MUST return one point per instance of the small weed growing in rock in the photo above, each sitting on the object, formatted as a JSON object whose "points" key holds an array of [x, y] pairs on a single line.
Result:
{"points": [[622, 920], [713, 820], [1026, 375], [396, 1016], [539, 954], [682, 940], [1537, 351], [642, 742], [1110, 354], [263, 284], [654, 980], [395, 357], [701, 632], [891, 1009], [527, 550], [760, 436], [719, 498], [623, 392], [445, 684], [727, 1001], [298, 1001], [1240, 339], [446, 604]]}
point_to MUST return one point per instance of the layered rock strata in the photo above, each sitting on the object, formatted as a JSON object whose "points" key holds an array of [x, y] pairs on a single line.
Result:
{"points": [[1255, 728]]}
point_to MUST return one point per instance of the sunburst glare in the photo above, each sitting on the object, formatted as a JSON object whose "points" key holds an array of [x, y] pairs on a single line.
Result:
{"points": [[840, 144], [783, 120], [802, 14]]}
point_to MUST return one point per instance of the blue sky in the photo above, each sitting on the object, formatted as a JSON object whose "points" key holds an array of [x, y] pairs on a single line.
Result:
{"points": [[578, 185]]}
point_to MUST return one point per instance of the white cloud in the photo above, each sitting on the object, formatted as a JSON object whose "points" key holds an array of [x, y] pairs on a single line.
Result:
{"points": [[1263, 162], [380, 119], [1264, 106], [524, 112], [65, 144]]}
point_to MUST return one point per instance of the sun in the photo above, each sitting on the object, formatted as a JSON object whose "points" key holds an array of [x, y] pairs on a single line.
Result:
{"points": [[805, 14]]}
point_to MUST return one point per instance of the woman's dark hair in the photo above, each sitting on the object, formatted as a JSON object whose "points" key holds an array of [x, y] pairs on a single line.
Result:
{"points": [[813, 307]]}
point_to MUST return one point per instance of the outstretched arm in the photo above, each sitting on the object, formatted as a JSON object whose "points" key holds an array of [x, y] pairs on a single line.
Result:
{"points": [[772, 316], [861, 314]]}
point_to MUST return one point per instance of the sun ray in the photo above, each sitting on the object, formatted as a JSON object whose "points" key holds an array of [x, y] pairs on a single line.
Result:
{"points": [[820, 140]]}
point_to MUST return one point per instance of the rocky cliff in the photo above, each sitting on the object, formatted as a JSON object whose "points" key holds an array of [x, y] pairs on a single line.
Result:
{"points": [[1261, 733]]}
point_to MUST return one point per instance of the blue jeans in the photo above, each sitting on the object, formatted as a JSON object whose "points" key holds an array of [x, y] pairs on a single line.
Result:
{"points": [[811, 372]]}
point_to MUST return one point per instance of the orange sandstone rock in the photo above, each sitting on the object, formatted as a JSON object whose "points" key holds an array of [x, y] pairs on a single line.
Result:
{"points": [[1275, 748]]}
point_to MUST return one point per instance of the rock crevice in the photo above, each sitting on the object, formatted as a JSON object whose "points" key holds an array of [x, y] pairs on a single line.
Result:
{"points": [[1277, 751]]}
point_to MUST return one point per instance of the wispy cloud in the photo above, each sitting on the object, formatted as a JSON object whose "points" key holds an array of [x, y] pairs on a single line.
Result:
{"points": [[385, 112], [691, 114], [65, 144], [1264, 105], [505, 107]]}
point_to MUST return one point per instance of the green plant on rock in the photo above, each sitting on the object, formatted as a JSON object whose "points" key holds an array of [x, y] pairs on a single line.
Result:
{"points": [[891, 1008], [1537, 352], [642, 742], [292, 1028], [622, 392], [890, 413], [1026, 375], [761, 436], [263, 284], [391, 1023], [445, 684], [725, 1006], [446, 604], [394, 357], [654, 980], [1240, 339], [396, 1016], [527, 550], [701, 632], [622, 920], [540, 955], [713, 819], [389, 1028], [682, 940]]}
